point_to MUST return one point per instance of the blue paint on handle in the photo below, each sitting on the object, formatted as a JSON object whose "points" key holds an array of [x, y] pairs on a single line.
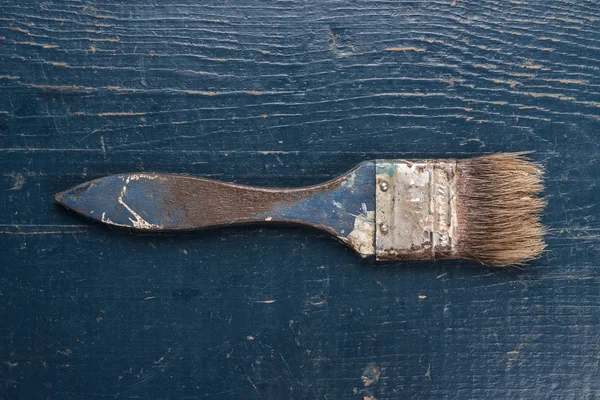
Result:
{"points": [[337, 208], [129, 200]]}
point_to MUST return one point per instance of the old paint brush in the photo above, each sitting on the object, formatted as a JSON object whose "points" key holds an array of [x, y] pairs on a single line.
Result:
{"points": [[484, 208]]}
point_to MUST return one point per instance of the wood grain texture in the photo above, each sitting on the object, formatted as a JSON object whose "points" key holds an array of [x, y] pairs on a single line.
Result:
{"points": [[290, 93]]}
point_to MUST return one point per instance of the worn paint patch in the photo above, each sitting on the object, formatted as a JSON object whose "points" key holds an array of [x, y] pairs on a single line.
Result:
{"points": [[371, 375], [19, 181], [135, 177], [362, 237], [139, 222], [386, 168]]}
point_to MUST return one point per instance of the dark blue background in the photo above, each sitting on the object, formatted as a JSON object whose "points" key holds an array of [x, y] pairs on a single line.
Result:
{"points": [[289, 93]]}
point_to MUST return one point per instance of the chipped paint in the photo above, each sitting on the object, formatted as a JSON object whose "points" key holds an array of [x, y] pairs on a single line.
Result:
{"points": [[362, 237], [139, 222], [104, 218], [371, 375], [135, 177], [350, 180]]}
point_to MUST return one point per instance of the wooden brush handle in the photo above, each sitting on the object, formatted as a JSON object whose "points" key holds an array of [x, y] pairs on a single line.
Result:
{"points": [[167, 202]]}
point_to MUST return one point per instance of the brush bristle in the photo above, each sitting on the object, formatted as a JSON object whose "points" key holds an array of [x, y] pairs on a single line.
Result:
{"points": [[499, 209]]}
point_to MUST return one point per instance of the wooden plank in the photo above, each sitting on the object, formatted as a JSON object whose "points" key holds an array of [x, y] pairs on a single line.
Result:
{"points": [[290, 94]]}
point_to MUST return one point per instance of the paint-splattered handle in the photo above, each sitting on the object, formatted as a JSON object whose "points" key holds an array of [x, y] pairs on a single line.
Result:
{"points": [[167, 202]]}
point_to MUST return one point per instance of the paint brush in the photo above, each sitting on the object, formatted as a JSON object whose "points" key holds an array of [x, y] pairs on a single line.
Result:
{"points": [[484, 208]]}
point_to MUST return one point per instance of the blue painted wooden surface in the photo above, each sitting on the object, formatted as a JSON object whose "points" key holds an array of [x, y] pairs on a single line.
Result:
{"points": [[290, 94]]}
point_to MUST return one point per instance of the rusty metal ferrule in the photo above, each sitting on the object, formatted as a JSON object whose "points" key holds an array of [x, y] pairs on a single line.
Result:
{"points": [[415, 209]]}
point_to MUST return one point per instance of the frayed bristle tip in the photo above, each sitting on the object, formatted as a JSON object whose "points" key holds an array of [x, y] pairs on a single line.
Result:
{"points": [[499, 209]]}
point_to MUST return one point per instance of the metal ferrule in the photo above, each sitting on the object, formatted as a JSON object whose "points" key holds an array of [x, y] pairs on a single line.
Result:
{"points": [[415, 209]]}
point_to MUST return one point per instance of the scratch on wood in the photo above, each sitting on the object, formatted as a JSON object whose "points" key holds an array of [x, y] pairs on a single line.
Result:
{"points": [[253, 385], [550, 95], [61, 87], [531, 65], [202, 92], [512, 84], [404, 49], [571, 81], [41, 233], [121, 114], [118, 88], [45, 46], [58, 64]]}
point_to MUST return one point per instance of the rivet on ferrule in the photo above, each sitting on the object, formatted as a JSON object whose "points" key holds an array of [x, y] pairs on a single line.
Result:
{"points": [[383, 186], [384, 228]]}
